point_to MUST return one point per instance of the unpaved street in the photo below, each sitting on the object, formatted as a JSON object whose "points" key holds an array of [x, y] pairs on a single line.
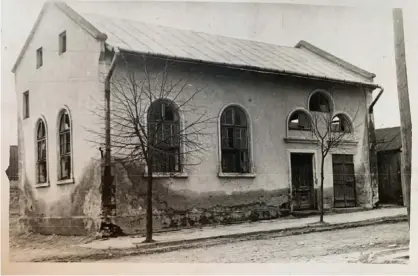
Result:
{"points": [[348, 245]]}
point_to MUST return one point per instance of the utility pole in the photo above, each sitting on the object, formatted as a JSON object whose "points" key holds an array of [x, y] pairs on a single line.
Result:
{"points": [[404, 107]]}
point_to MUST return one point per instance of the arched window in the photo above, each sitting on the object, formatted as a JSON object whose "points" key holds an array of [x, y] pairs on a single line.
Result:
{"points": [[41, 153], [341, 123], [319, 102], [164, 136], [299, 120], [64, 146], [234, 141]]}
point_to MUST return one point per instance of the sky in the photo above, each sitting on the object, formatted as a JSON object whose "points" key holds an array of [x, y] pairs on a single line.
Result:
{"points": [[362, 36]]}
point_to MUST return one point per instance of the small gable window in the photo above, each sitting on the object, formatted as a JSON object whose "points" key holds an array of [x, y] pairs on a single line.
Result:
{"points": [[299, 120], [41, 153], [26, 105], [319, 102], [62, 42], [39, 57], [340, 123]]}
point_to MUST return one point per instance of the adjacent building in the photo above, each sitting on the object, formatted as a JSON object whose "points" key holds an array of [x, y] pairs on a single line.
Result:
{"points": [[13, 176], [264, 97], [389, 147]]}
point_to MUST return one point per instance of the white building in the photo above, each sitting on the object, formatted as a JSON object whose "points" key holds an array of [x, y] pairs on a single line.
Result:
{"points": [[276, 89]]}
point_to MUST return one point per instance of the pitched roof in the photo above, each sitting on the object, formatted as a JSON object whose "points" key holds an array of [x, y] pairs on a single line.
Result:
{"points": [[303, 60], [388, 139]]}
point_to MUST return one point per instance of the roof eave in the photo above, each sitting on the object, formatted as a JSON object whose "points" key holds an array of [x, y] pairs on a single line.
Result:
{"points": [[248, 68]]}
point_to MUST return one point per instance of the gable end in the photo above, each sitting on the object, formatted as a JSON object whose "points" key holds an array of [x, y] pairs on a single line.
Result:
{"points": [[71, 14], [334, 59]]}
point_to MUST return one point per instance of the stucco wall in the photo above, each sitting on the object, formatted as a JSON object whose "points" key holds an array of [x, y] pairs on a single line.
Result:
{"points": [[69, 80], [72, 80], [268, 100]]}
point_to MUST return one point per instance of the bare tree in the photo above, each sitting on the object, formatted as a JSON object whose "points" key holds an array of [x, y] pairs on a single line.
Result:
{"points": [[155, 121], [330, 131]]}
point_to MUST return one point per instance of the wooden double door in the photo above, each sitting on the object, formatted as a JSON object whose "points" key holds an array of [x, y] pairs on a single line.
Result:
{"points": [[390, 181], [344, 180], [303, 194]]}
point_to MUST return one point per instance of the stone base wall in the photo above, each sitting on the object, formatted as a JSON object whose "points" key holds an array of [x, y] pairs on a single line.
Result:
{"points": [[66, 226], [169, 221], [14, 208]]}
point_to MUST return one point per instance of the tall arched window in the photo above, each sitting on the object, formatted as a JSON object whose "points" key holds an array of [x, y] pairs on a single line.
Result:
{"points": [[319, 102], [234, 141], [164, 136], [41, 153], [341, 123], [64, 146]]}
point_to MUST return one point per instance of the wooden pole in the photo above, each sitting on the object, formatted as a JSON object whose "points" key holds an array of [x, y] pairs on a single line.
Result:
{"points": [[404, 107]]}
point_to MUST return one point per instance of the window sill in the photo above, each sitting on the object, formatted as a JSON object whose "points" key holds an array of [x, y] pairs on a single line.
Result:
{"points": [[300, 140], [300, 129], [168, 175], [42, 185], [349, 143], [236, 175], [65, 181]]}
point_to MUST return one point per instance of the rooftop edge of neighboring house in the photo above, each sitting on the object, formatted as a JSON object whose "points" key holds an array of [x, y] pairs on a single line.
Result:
{"points": [[388, 139], [12, 170], [303, 60]]}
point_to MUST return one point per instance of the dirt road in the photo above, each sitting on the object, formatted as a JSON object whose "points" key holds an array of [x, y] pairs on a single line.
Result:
{"points": [[347, 245]]}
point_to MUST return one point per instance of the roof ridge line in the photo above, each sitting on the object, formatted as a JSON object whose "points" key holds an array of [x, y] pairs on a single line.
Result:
{"points": [[334, 59], [180, 29], [80, 20]]}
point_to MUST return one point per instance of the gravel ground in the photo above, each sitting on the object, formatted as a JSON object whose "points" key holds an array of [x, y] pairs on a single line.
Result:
{"points": [[23, 247], [347, 245]]}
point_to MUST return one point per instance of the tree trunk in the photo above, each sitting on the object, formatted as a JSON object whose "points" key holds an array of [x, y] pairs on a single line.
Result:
{"points": [[321, 218], [148, 238]]}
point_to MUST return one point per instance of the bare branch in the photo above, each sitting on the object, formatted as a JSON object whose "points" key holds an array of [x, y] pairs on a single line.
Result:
{"points": [[134, 138]]}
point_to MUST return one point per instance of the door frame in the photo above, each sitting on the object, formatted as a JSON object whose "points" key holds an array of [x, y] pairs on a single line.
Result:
{"points": [[354, 175], [314, 173]]}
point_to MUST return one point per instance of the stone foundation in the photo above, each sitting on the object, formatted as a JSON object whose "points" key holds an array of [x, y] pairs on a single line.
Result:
{"points": [[14, 208], [66, 226], [169, 221]]}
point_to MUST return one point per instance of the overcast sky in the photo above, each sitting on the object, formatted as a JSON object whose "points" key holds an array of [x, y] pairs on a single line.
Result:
{"points": [[363, 37]]}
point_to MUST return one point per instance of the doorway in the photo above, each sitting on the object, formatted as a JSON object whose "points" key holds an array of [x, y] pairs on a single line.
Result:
{"points": [[344, 180], [389, 171], [302, 181]]}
